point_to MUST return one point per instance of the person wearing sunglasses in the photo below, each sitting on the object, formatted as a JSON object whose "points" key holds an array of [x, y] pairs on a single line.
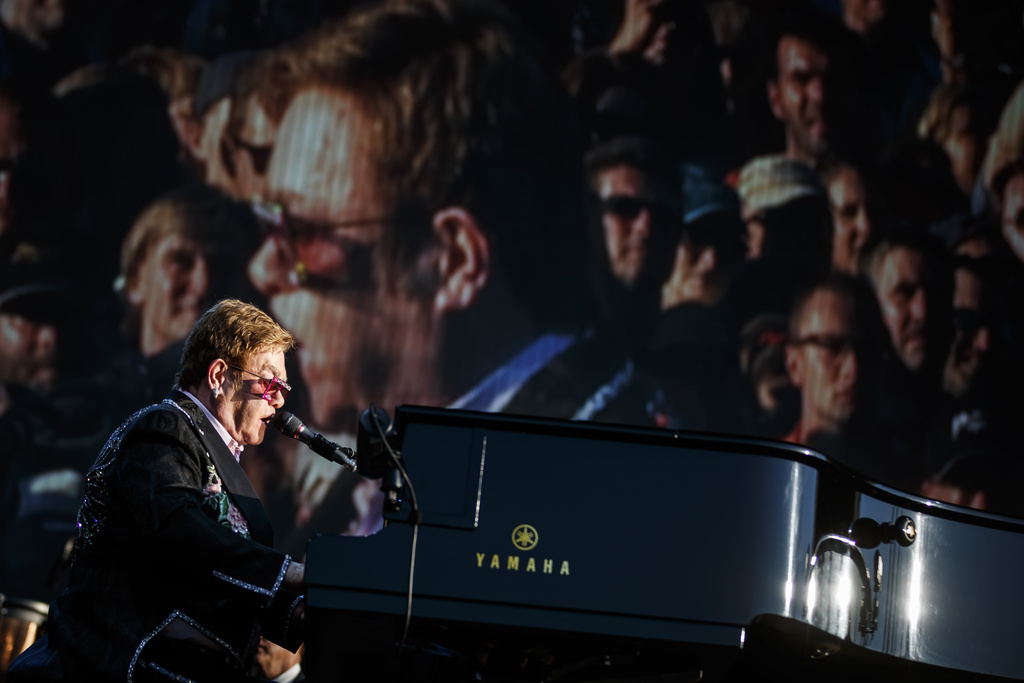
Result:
{"points": [[410, 264], [834, 357], [257, 102], [637, 186], [639, 221], [174, 567], [426, 245]]}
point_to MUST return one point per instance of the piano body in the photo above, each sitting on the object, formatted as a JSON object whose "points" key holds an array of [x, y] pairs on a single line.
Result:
{"points": [[550, 550]]}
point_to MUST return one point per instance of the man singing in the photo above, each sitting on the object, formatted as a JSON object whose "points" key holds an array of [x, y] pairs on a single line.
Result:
{"points": [[174, 576]]}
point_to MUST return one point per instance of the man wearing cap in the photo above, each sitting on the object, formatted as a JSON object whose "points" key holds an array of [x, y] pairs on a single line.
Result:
{"points": [[711, 247], [784, 206], [788, 238], [691, 351], [51, 426], [28, 342]]}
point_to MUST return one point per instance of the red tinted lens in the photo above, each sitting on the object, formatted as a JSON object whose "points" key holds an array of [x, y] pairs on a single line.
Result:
{"points": [[335, 260], [275, 386]]}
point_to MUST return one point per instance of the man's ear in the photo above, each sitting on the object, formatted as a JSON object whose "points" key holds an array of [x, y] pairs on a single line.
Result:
{"points": [[464, 261], [216, 374]]}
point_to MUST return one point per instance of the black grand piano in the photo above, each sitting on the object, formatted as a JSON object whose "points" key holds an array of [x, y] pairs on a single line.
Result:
{"points": [[546, 550]]}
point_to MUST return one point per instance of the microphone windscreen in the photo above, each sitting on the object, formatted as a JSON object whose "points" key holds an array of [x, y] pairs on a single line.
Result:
{"points": [[287, 424]]}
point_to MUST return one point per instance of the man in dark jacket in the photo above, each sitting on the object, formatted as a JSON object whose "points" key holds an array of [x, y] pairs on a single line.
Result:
{"points": [[174, 573]]}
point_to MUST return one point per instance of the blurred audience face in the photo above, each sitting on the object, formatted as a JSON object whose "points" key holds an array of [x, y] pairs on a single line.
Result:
{"points": [[1013, 214], [28, 352], [169, 292], [976, 247], [804, 97], [823, 361], [246, 156], [359, 342], [798, 232], [12, 147], [754, 237], [972, 337], [208, 149], [634, 221], [851, 218], [33, 19], [947, 23], [862, 16], [902, 296], [964, 148]]}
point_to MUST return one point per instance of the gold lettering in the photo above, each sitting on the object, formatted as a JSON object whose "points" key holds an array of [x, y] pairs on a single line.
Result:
{"points": [[512, 564]]}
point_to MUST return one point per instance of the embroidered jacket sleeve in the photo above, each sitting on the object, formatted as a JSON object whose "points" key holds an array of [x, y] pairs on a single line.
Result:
{"points": [[162, 471]]}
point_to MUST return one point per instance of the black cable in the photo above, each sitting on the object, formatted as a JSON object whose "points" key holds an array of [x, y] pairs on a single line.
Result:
{"points": [[414, 517]]}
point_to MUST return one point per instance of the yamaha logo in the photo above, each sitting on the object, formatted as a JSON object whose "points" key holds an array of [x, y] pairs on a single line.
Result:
{"points": [[524, 537]]}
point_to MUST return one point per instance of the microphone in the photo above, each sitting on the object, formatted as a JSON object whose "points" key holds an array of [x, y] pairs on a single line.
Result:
{"points": [[289, 425]]}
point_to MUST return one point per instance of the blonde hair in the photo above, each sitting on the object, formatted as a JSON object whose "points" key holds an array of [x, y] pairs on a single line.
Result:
{"points": [[936, 121], [233, 331], [1005, 147], [194, 212], [176, 72], [461, 112]]}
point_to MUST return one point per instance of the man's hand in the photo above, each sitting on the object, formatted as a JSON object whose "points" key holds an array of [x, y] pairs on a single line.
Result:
{"points": [[638, 27]]}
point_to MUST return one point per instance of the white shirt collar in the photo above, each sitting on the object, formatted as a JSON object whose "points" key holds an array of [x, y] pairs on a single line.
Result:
{"points": [[233, 446], [289, 675]]}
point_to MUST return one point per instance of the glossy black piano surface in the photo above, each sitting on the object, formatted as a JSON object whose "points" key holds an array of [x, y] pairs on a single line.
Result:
{"points": [[563, 551]]}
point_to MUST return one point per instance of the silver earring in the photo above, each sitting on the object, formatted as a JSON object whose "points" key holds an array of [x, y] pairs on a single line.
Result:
{"points": [[216, 393]]}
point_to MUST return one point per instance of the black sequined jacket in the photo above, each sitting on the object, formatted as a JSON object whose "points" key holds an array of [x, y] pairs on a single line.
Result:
{"points": [[170, 529]]}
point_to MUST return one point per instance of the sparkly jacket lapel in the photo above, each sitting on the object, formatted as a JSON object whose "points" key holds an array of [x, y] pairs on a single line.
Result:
{"points": [[232, 476]]}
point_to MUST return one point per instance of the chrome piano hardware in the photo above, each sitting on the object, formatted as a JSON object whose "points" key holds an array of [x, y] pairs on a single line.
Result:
{"points": [[633, 558]]}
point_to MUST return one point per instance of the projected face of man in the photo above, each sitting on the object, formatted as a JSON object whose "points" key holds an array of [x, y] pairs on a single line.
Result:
{"points": [[809, 97], [1013, 214], [970, 355], [169, 290], [823, 361], [639, 225], [851, 218], [904, 300], [28, 352], [245, 153], [359, 342]]}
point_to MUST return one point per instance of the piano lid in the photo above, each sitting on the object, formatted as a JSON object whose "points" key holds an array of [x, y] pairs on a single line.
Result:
{"points": [[647, 535]]}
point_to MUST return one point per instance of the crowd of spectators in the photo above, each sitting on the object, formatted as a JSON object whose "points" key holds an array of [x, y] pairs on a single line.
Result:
{"points": [[800, 220]]}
